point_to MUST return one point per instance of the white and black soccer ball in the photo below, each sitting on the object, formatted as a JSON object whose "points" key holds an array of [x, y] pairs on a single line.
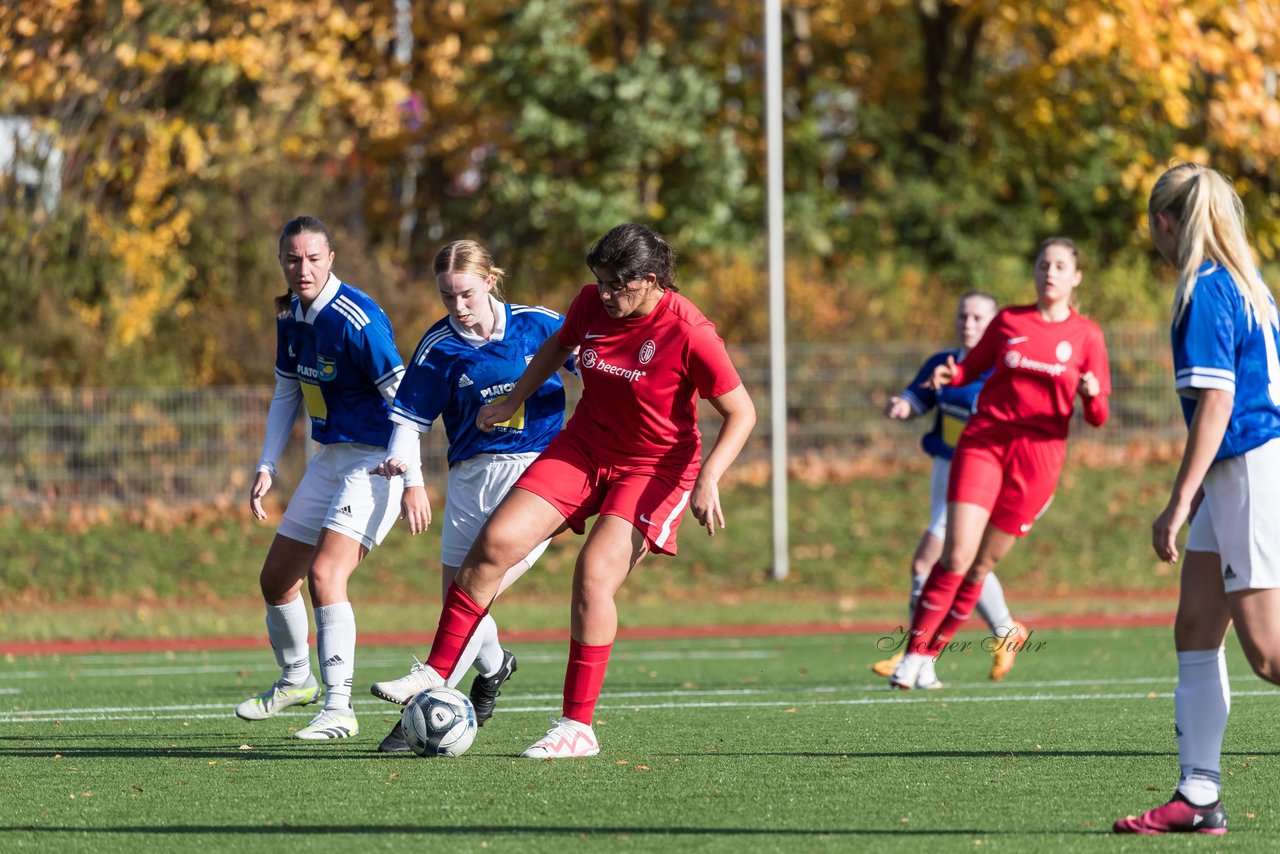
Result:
{"points": [[439, 722]]}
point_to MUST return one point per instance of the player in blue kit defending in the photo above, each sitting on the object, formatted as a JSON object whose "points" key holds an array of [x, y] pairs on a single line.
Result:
{"points": [[953, 406], [1226, 335], [470, 358], [335, 353]]}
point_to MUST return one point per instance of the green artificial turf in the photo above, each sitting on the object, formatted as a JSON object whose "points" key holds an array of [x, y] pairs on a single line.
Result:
{"points": [[729, 744]]}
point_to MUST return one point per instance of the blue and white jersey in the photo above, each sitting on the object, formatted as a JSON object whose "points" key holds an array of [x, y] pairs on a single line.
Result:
{"points": [[955, 405], [1217, 344], [343, 354], [453, 373]]}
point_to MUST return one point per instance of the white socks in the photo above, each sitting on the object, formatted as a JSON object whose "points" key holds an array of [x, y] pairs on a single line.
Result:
{"points": [[992, 607], [1201, 704], [287, 631], [483, 649], [336, 642]]}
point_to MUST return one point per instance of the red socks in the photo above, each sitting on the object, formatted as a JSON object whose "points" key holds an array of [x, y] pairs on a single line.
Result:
{"points": [[583, 680], [931, 608], [961, 607], [458, 621]]}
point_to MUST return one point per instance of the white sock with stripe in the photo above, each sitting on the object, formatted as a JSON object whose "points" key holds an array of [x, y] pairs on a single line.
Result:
{"points": [[336, 642], [1201, 705], [287, 631]]}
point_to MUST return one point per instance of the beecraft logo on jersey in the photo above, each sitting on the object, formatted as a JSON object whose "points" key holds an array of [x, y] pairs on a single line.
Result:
{"points": [[646, 352], [592, 362], [1014, 359], [326, 368], [1063, 353]]}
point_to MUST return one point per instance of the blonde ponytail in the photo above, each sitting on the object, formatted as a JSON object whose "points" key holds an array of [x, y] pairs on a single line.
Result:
{"points": [[1211, 227]]}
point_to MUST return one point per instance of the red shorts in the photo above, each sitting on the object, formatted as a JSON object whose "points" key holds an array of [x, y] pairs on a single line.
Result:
{"points": [[1013, 478], [650, 497]]}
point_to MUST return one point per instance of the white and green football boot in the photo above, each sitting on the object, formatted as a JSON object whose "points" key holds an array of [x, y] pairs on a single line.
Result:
{"points": [[277, 698]]}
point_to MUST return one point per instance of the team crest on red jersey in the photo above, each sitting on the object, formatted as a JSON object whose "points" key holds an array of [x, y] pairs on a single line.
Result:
{"points": [[646, 352], [1063, 353]]}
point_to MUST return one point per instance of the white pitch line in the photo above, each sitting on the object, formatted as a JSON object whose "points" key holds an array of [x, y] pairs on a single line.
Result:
{"points": [[126, 713]]}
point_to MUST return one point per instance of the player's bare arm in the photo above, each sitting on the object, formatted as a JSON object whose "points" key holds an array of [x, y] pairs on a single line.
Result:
{"points": [[739, 415], [1208, 426], [545, 362]]}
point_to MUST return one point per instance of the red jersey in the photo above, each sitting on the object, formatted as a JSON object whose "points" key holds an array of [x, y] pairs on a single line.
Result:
{"points": [[641, 378], [1037, 366]]}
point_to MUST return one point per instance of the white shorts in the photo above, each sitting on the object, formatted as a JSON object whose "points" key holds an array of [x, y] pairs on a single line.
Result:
{"points": [[338, 493], [1237, 520], [938, 498], [476, 486]]}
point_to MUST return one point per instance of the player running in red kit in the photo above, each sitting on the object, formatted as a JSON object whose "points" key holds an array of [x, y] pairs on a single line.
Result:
{"points": [[1008, 460]]}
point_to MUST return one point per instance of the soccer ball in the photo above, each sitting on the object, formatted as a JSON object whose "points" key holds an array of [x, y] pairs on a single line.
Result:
{"points": [[439, 722]]}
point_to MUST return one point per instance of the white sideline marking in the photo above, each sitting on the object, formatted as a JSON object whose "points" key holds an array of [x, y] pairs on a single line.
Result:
{"points": [[201, 711]]}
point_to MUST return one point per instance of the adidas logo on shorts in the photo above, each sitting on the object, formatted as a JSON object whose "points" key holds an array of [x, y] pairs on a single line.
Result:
{"points": [[345, 510], [464, 381], [1229, 572]]}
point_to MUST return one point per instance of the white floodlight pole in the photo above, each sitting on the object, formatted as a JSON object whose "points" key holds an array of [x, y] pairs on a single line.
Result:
{"points": [[777, 280]]}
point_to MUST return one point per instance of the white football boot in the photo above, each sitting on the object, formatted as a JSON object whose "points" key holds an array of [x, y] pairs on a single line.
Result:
{"points": [[330, 723], [568, 739], [277, 698], [420, 678]]}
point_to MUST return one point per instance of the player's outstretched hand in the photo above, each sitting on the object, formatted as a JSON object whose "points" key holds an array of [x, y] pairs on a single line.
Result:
{"points": [[897, 409], [705, 502], [389, 468], [1089, 385], [416, 507], [943, 374], [261, 486]]}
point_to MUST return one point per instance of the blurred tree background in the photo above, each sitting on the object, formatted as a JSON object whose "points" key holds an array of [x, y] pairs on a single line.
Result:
{"points": [[930, 144]]}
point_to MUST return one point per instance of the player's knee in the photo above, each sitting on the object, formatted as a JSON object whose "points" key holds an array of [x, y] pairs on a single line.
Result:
{"points": [[957, 560], [275, 588], [492, 554], [1267, 666], [1192, 631]]}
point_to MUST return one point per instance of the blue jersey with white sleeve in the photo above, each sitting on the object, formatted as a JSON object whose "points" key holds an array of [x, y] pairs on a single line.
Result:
{"points": [[342, 352], [1218, 344], [453, 373], [955, 404]]}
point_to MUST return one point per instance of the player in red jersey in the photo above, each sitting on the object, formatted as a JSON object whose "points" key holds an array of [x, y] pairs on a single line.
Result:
{"points": [[631, 454], [1009, 457]]}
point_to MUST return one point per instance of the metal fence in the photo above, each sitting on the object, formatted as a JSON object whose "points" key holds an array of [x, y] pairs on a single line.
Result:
{"points": [[174, 446]]}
